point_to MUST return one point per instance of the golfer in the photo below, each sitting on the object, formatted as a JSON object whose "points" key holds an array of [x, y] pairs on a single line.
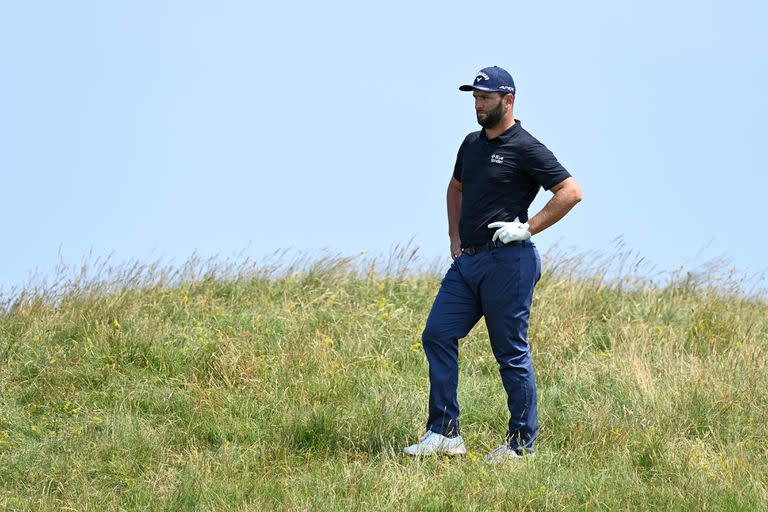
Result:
{"points": [[498, 172]]}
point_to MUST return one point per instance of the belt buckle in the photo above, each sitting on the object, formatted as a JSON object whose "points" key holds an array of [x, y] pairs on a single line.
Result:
{"points": [[471, 250]]}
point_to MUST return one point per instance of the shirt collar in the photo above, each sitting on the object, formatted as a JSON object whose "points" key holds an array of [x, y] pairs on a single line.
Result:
{"points": [[507, 134]]}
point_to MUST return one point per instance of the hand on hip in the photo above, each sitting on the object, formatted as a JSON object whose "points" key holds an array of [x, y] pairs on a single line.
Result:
{"points": [[510, 231]]}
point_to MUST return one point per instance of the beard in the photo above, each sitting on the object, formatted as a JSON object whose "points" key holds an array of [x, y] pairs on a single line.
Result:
{"points": [[492, 117]]}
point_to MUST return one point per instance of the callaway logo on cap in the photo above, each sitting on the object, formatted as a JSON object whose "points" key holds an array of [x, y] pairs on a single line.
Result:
{"points": [[493, 79]]}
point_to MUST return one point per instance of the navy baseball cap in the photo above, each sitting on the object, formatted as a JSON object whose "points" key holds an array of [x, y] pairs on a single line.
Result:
{"points": [[493, 79]]}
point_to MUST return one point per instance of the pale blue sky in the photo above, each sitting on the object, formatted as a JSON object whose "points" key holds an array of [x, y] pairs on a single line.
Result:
{"points": [[154, 129]]}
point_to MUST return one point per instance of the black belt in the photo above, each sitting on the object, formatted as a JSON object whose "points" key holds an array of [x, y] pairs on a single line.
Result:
{"points": [[474, 249]]}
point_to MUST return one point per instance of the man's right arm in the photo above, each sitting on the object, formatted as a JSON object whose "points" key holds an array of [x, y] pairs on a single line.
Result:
{"points": [[453, 198]]}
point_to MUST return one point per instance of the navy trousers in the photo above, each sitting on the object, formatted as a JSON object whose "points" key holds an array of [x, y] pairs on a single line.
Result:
{"points": [[498, 284]]}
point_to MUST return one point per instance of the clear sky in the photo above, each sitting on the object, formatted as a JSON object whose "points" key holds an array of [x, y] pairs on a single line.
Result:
{"points": [[152, 130]]}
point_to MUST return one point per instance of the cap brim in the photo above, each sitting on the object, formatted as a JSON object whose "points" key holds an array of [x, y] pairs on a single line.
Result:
{"points": [[467, 88]]}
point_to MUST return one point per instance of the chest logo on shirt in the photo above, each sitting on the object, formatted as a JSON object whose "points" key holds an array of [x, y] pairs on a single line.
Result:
{"points": [[497, 159]]}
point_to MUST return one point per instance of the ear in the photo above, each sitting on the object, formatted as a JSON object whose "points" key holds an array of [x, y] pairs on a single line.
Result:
{"points": [[510, 99]]}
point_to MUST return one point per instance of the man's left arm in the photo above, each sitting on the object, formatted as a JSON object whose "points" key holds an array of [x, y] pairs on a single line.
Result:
{"points": [[566, 194]]}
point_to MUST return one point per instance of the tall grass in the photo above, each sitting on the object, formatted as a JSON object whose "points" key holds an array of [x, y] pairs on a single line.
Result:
{"points": [[294, 383]]}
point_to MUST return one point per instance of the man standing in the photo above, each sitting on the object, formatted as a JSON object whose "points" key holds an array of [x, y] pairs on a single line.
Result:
{"points": [[498, 172]]}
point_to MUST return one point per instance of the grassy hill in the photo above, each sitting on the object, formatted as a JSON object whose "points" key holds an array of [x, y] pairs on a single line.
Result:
{"points": [[296, 387]]}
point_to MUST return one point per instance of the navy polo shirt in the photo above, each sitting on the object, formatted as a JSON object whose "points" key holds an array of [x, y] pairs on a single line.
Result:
{"points": [[499, 178]]}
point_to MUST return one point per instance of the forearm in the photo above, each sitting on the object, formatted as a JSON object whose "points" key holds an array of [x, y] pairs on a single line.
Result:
{"points": [[453, 198], [559, 205]]}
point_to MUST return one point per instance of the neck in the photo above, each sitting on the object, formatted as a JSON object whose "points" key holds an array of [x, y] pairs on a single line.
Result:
{"points": [[504, 125]]}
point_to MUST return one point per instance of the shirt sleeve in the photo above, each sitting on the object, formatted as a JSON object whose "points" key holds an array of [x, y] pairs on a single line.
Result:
{"points": [[543, 167]]}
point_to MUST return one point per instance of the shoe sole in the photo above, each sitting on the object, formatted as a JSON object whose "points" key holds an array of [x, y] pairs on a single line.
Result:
{"points": [[446, 453]]}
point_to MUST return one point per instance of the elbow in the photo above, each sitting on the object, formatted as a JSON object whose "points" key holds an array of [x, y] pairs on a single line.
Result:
{"points": [[568, 192], [573, 194], [576, 196]]}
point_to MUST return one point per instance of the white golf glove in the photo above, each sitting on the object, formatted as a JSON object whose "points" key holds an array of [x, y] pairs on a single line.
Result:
{"points": [[510, 231]]}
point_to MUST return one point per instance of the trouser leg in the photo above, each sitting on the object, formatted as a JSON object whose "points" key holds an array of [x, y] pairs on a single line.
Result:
{"points": [[506, 297], [455, 311]]}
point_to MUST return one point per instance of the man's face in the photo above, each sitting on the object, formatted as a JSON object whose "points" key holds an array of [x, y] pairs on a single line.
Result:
{"points": [[489, 108]]}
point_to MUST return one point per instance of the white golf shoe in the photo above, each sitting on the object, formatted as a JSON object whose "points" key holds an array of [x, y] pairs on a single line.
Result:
{"points": [[505, 453], [432, 443]]}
